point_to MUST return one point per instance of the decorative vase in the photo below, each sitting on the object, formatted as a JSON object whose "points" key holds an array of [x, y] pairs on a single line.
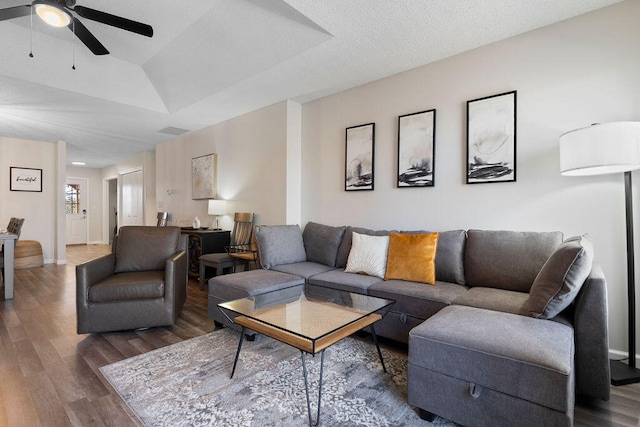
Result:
{"points": [[195, 223]]}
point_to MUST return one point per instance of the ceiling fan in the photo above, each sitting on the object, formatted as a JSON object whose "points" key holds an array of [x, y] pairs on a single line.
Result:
{"points": [[57, 13]]}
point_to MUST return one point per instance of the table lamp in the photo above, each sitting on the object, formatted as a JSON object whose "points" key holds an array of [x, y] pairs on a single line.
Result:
{"points": [[603, 149], [217, 207]]}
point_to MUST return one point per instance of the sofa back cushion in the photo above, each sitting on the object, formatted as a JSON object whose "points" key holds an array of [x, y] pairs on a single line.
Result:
{"points": [[142, 248], [561, 278], [279, 244], [507, 259], [321, 242]]}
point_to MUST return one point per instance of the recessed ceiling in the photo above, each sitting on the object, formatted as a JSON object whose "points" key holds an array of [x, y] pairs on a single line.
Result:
{"points": [[211, 60]]}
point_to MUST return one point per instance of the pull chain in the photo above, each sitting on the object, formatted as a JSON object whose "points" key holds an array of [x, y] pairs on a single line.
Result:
{"points": [[31, 36], [73, 44]]}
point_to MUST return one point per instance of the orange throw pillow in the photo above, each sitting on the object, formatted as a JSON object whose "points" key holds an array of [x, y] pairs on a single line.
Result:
{"points": [[412, 257]]}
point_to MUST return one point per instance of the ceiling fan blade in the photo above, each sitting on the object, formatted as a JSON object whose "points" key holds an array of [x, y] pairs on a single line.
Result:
{"points": [[14, 12], [114, 21], [87, 38]]}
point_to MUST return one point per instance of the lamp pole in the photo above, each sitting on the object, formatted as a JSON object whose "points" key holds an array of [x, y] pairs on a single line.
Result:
{"points": [[622, 374]]}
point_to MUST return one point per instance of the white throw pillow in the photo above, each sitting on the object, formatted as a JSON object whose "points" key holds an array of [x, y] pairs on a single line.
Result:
{"points": [[368, 255]]}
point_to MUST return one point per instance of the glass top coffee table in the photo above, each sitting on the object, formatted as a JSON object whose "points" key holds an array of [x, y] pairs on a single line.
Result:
{"points": [[309, 318]]}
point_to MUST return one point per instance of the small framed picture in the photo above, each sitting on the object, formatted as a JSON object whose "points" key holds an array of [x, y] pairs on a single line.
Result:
{"points": [[359, 158], [25, 179], [491, 139], [203, 177], [416, 149]]}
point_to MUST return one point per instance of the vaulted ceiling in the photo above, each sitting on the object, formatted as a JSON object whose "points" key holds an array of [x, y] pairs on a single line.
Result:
{"points": [[211, 60]]}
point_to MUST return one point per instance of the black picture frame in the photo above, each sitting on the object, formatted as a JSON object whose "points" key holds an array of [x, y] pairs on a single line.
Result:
{"points": [[360, 157], [25, 179], [491, 138], [416, 149]]}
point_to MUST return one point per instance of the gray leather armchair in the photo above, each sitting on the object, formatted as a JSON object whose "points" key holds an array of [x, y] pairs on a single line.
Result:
{"points": [[141, 284]]}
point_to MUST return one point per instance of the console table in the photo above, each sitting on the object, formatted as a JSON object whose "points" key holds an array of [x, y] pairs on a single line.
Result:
{"points": [[203, 241]]}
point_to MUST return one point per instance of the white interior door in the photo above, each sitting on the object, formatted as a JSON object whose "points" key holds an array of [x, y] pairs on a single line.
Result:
{"points": [[131, 201], [76, 198]]}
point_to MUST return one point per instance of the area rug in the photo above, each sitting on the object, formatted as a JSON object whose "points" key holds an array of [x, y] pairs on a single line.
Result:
{"points": [[188, 384]]}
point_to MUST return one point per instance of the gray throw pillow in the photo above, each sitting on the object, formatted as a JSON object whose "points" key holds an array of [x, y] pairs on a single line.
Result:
{"points": [[321, 242], [279, 244], [561, 277]]}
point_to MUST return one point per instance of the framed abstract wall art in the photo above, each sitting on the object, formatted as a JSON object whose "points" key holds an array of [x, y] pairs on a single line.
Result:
{"points": [[359, 157], [491, 139], [416, 149], [203, 177]]}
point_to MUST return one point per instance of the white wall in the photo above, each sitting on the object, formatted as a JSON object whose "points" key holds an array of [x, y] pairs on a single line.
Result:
{"points": [[35, 207], [567, 75], [252, 168]]}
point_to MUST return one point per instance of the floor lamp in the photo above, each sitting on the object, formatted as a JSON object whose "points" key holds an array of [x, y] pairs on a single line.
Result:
{"points": [[603, 149]]}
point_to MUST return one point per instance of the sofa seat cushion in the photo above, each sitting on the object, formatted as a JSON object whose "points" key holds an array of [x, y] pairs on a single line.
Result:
{"points": [[350, 282], [253, 282], [304, 269], [128, 286], [494, 299], [417, 299], [531, 359]]}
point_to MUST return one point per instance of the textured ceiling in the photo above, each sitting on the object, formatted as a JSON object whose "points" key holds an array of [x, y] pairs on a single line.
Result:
{"points": [[211, 60]]}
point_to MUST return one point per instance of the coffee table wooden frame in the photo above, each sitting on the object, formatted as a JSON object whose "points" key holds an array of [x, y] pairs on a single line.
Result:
{"points": [[307, 345]]}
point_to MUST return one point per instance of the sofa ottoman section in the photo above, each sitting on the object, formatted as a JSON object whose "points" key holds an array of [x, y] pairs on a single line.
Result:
{"points": [[481, 367], [247, 283]]}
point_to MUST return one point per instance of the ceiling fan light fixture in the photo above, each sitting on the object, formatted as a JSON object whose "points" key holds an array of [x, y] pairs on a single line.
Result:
{"points": [[52, 14]]}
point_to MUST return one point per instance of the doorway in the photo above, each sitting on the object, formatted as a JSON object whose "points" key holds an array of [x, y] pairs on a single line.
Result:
{"points": [[131, 198], [76, 200]]}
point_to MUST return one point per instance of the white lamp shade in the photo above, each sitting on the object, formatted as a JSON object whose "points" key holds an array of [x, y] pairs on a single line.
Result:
{"points": [[600, 149], [217, 207]]}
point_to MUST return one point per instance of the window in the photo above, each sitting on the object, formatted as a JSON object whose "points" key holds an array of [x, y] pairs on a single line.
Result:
{"points": [[72, 198]]}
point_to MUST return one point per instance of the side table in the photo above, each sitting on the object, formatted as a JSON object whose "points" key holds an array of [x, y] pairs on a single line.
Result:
{"points": [[203, 241]]}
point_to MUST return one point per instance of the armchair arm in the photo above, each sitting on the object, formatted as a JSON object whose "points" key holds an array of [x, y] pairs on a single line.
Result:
{"points": [[176, 281], [591, 337], [88, 274]]}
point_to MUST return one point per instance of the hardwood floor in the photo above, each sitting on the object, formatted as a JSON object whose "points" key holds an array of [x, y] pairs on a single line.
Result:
{"points": [[49, 374]]}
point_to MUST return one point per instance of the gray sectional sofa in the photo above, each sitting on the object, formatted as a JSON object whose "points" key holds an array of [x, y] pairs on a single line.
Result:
{"points": [[513, 327]]}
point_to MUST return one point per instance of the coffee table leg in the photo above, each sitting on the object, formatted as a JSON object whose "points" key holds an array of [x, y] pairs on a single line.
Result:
{"points": [[375, 340], [235, 362], [306, 387]]}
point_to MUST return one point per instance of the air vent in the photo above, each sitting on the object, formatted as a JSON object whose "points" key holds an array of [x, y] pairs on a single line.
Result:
{"points": [[170, 130]]}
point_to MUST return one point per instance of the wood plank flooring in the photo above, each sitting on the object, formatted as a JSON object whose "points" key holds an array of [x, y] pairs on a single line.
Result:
{"points": [[49, 374]]}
